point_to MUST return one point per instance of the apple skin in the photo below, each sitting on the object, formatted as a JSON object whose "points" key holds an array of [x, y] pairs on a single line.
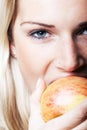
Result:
{"points": [[63, 95]]}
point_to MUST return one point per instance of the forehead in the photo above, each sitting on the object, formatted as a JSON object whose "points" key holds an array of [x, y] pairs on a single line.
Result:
{"points": [[52, 3], [42, 5], [51, 9]]}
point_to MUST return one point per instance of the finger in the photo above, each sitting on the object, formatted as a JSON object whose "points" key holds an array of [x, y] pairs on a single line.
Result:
{"points": [[35, 110], [35, 97], [71, 119], [77, 115], [82, 126]]}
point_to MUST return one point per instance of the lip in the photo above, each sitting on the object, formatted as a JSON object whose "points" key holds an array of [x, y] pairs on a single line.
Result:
{"points": [[66, 75]]}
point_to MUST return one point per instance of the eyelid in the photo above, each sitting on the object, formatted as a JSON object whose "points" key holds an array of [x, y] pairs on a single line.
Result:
{"points": [[37, 30]]}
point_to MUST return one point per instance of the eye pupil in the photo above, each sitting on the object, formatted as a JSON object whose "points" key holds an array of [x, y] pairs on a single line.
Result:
{"points": [[41, 33]]}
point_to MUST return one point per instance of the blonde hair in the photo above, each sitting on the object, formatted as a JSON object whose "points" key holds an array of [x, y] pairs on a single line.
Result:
{"points": [[14, 95]]}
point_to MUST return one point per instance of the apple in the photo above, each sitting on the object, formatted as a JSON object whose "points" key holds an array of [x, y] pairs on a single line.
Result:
{"points": [[63, 95]]}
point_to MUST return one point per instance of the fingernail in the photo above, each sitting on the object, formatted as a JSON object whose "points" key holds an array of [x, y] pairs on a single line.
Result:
{"points": [[40, 84]]}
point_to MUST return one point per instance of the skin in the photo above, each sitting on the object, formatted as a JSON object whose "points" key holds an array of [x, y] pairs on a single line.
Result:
{"points": [[50, 42], [56, 53]]}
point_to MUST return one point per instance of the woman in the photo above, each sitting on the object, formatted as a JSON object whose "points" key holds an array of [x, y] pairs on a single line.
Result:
{"points": [[40, 41]]}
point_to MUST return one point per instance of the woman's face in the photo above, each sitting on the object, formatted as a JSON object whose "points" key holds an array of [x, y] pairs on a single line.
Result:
{"points": [[50, 39]]}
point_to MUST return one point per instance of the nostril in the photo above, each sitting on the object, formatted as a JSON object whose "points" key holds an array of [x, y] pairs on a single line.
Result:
{"points": [[71, 65]]}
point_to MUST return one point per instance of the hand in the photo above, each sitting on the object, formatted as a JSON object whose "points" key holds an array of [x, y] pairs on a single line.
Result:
{"points": [[75, 119]]}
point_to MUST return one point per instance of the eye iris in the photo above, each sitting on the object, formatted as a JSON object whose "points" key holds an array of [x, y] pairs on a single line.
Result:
{"points": [[41, 33]]}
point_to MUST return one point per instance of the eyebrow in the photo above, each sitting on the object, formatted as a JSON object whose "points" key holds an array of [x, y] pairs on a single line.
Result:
{"points": [[82, 24], [38, 23]]}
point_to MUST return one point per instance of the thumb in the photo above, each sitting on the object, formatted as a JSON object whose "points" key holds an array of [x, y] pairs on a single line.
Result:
{"points": [[35, 109]]}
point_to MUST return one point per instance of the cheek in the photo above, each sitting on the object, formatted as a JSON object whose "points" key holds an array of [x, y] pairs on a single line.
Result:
{"points": [[33, 62]]}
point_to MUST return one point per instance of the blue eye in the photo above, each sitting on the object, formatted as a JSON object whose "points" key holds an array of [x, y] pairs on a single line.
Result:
{"points": [[40, 34]]}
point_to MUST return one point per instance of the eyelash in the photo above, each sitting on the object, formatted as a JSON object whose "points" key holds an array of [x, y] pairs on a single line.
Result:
{"points": [[82, 31], [40, 34]]}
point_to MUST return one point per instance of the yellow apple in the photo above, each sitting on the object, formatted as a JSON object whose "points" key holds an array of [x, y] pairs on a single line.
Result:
{"points": [[63, 95]]}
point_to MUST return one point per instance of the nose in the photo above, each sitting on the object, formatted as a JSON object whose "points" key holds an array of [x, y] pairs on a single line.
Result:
{"points": [[71, 59]]}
